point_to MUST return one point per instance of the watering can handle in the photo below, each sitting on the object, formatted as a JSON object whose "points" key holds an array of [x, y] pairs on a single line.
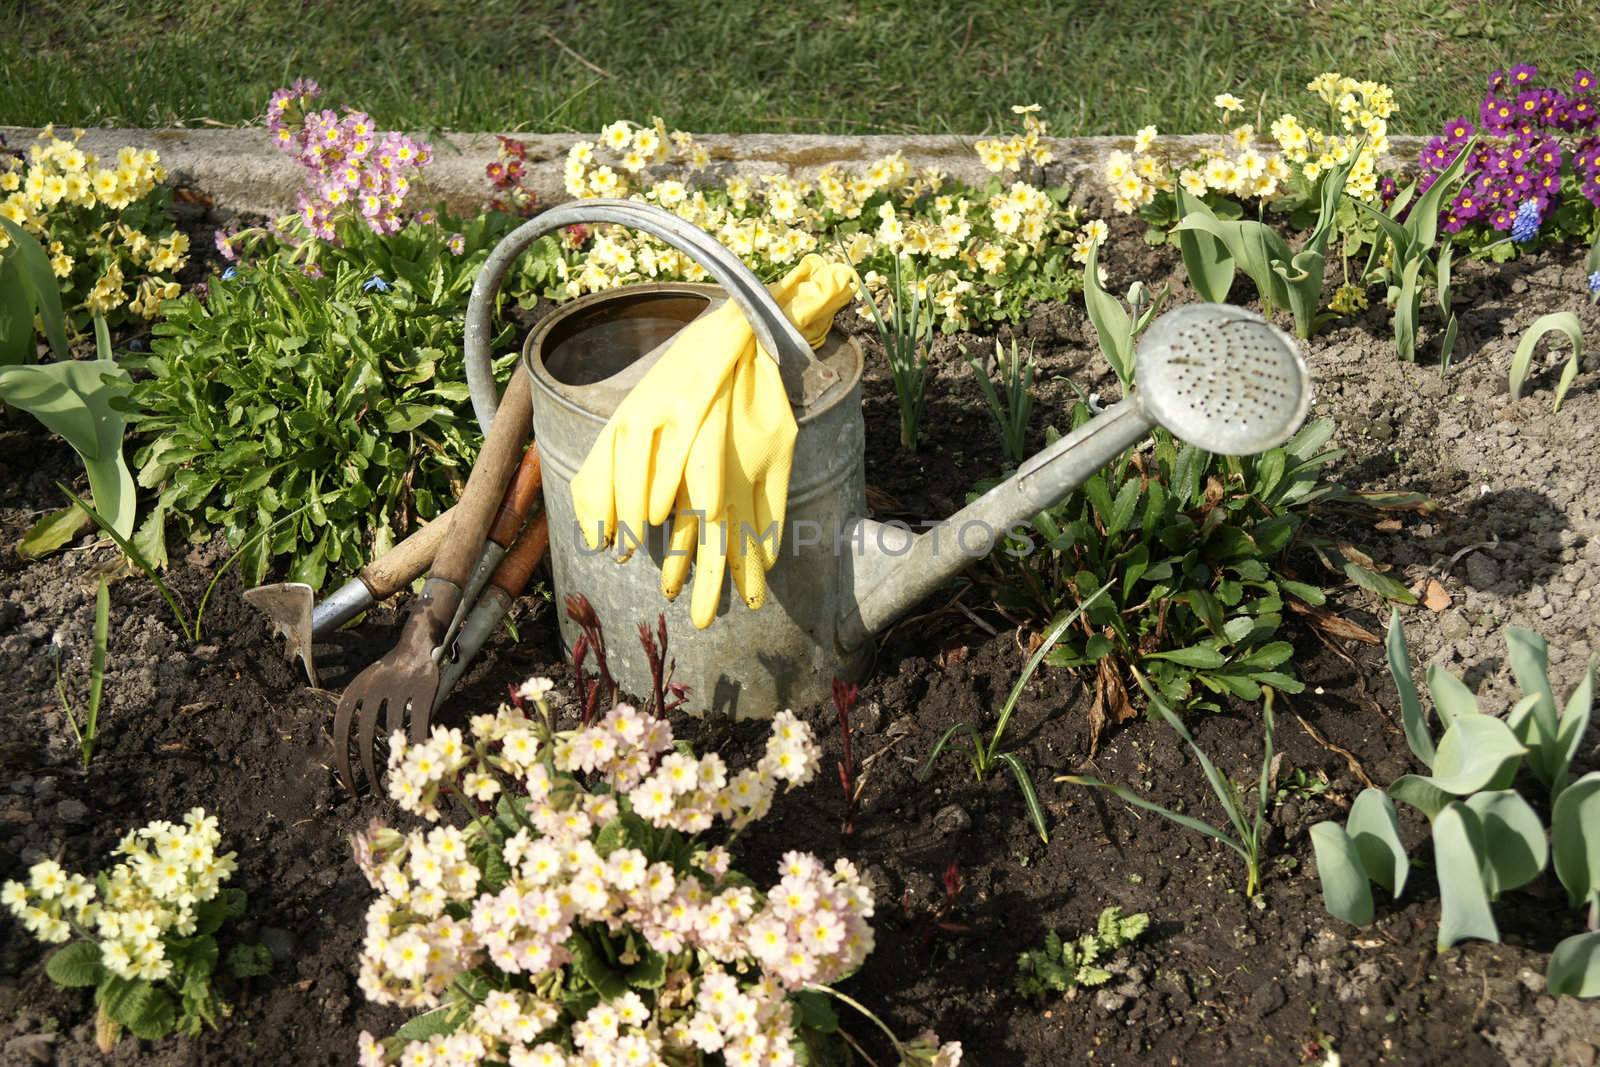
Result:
{"points": [[802, 373]]}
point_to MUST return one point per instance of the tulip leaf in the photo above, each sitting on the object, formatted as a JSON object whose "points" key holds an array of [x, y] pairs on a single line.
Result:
{"points": [[1574, 969], [1346, 889], [1416, 728], [1515, 849], [1458, 853], [1575, 839], [1207, 260], [1374, 828], [1451, 697], [1478, 752]]}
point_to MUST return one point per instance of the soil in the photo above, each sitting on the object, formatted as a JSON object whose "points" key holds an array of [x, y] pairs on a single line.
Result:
{"points": [[226, 723]]}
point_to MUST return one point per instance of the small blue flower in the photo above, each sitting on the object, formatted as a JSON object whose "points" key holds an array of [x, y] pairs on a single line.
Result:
{"points": [[377, 283], [1526, 225], [229, 274], [1594, 282]]}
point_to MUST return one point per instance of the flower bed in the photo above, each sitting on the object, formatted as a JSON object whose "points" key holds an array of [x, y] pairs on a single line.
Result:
{"points": [[1489, 520]]}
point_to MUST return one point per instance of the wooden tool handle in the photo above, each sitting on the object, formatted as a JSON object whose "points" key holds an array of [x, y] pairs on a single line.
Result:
{"points": [[511, 577], [513, 424], [520, 495], [405, 562]]}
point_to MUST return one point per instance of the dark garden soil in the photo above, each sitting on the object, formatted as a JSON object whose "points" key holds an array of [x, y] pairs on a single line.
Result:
{"points": [[228, 724]]}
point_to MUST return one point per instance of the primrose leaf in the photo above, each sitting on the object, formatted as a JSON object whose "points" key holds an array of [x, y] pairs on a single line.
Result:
{"points": [[1458, 857], [1346, 889], [421, 1027], [1198, 656], [76, 966]]}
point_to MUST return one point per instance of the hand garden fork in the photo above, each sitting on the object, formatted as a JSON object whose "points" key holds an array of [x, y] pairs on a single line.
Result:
{"points": [[405, 682]]}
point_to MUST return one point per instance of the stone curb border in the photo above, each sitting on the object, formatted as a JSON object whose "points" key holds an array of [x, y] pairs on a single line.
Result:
{"points": [[243, 172]]}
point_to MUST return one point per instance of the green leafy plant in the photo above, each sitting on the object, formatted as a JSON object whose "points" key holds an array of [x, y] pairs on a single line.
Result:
{"points": [[984, 756], [1487, 839], [1246, 809], [340, 391], [143, 935], [1116, 329], [1063, 966], [1564, 322], [1402, 258], [1284, 277], [1193, 547], [89, 732], [1012, 408], [904, 335], [1297, 785]]}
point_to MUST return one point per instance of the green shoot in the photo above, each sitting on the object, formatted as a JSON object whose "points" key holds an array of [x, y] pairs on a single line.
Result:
{"points": [[1012, 408], [1249, 827], [901, 337], [1063, 966], [1556, 322], [90, 730], [985, 756]]}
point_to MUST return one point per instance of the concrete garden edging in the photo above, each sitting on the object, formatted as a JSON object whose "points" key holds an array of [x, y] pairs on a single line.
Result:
{"points": [[241, 170]]}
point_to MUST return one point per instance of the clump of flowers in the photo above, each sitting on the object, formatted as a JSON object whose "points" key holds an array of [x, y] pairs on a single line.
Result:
{"points": [[103, 222], [507, 174], [580, 917], [1243, 170], [1535, 150], [350, 164], [977, 254], [142, 933], [1003, 154]]}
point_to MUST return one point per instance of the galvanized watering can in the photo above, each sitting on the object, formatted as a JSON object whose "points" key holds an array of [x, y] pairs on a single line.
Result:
{"points": [[1215, 375]]}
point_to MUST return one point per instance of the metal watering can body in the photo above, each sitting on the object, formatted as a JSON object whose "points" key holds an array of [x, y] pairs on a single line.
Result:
{"points": [[1213, 374]]}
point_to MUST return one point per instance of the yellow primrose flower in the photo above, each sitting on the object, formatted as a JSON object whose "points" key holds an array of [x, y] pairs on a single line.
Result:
{"points": [[1144, 138], [1228, 102], [1118, 166]]}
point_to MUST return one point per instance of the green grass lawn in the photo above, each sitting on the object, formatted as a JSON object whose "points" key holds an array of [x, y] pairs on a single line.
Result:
{"points": [[924, 66]]}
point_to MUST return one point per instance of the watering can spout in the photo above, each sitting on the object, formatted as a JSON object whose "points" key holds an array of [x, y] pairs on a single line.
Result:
{"points": [[1217, 376]]}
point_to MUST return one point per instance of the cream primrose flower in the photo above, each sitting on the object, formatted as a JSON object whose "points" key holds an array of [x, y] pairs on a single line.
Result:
{"points": [[773, 222], [744, 951], [167, 872]]}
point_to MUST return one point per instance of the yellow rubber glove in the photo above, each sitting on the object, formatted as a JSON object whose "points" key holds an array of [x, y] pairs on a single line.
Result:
{"points": [[708, 431], [631, 476], [737, 479]]}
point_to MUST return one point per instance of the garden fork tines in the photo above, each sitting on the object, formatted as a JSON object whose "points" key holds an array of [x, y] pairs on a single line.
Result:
{"points": [[402, 685]]}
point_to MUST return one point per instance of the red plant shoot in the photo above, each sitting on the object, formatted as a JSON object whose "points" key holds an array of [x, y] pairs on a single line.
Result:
{"points": [[844, 701]]}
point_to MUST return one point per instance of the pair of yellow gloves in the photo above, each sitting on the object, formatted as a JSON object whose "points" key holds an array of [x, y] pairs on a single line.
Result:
{"points": [[708, 432]]}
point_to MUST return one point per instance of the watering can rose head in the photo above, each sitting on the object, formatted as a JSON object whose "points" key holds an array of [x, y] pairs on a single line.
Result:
{"points": [[1218, 376]]}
